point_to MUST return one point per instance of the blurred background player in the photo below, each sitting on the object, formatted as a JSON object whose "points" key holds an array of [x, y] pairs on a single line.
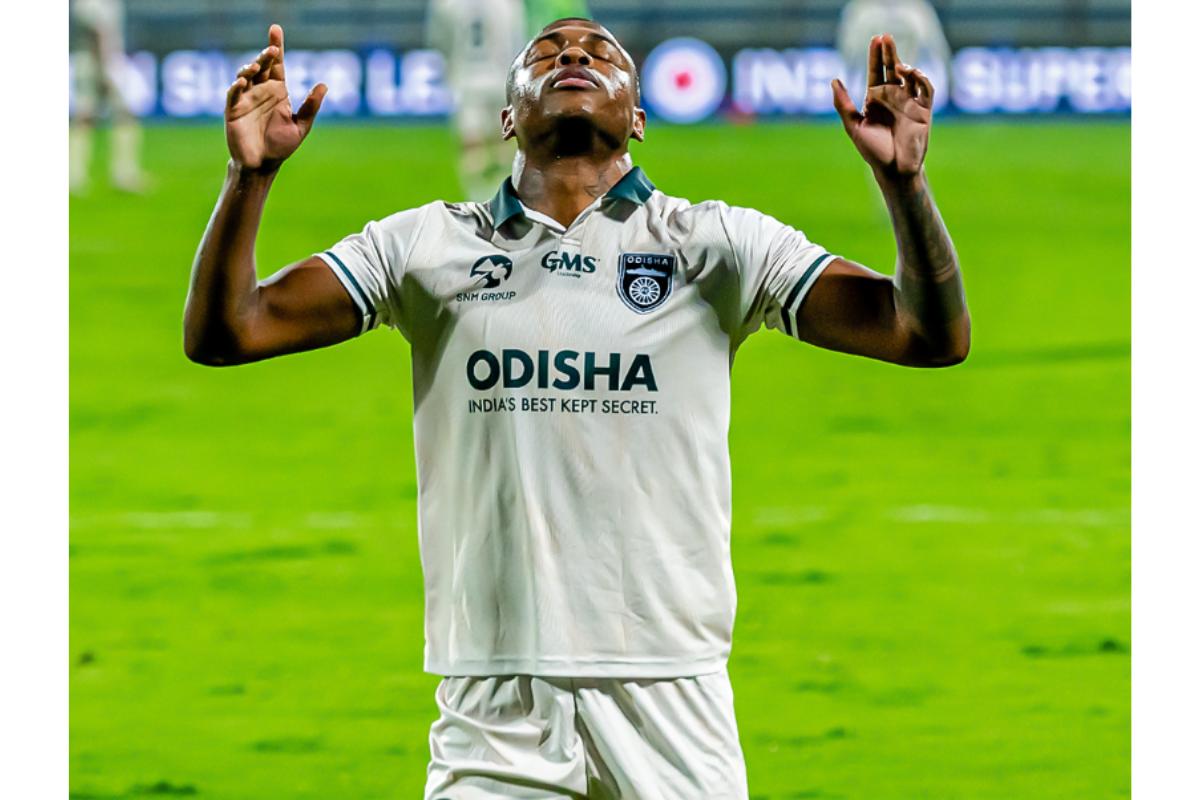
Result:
{"points": [[478, 39], [913, 24], [540, 13], [98, 74]]}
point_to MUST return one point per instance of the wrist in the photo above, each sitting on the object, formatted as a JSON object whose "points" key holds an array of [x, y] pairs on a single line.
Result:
{"points": [[251, 176], [901, 185]]}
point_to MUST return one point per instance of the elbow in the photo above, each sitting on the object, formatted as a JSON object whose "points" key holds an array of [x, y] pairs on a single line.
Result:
{"points": [[948, 350], [208, 350], [956, 347], [205, 358], [952, 356], [962, 341], [939, 359], [197, 353]]}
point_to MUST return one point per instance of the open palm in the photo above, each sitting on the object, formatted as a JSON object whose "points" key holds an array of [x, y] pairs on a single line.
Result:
{"points": [[260, 128], [892, 129]]}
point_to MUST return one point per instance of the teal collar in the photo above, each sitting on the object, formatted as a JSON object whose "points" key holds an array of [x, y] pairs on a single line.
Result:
{"points": [[505, 205], [634, 186]]}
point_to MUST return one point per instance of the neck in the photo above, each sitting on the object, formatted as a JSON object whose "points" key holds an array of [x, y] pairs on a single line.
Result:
{"points": [[560, 185]]}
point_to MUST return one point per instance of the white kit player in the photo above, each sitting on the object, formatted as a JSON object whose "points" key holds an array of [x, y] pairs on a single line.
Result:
{"points": [[98, 72], [477, 39], [913, 24], [571, 348]]}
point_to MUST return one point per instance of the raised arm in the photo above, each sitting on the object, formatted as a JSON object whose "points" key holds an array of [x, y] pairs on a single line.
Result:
{"points": [[231, 317], [919, 317]]}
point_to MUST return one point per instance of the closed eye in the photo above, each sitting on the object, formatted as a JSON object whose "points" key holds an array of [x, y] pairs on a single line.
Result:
{"points": [[598, 49]]}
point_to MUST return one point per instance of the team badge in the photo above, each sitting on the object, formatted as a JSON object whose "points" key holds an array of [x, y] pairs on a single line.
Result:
{"points": [[493, 269], [644, 280]]}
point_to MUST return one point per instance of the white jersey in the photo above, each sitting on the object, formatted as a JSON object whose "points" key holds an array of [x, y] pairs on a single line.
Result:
{"points": [[98, 68], [571, 394], [479, 39], [105, 17]]}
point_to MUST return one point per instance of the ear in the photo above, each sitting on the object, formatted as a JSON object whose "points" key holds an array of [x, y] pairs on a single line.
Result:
{"points": [[508, 123], [639, 124]]}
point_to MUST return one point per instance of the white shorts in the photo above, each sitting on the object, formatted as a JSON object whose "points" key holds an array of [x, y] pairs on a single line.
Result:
{"points": [[519, 737], [96, 82]]}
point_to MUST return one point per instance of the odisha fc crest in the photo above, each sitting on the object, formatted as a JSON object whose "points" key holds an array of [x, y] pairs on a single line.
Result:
{"points": [[644, 280], [492, 269]]}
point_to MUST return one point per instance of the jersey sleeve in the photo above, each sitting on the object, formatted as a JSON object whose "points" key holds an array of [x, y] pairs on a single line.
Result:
{"points": [[371, 264], [777, 266]]}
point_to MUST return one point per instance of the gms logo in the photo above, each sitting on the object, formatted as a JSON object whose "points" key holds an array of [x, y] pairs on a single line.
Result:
{"points": [[493, 269], [570, 264]]}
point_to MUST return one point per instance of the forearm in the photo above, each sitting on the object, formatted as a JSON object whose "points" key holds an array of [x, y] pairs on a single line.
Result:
{"points": [[224, 283], [930, 301]]}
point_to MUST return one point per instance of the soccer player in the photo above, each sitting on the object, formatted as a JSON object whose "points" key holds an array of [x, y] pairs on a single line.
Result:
{"points": [[539, 13], [98, 71], [571, 347], [477, 39]]}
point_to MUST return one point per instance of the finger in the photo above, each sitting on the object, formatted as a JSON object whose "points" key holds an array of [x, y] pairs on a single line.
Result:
{"points": [[890, 58], [235, 91], [875, 62], [249, 70], [309, 108], [259, 69], [911, 87], [926, 85], [266, 61], [275, 37], [261, 65], [845, 106]]}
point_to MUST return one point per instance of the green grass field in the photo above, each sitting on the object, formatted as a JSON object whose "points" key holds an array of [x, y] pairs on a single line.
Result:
{"points": [[933, 566]]}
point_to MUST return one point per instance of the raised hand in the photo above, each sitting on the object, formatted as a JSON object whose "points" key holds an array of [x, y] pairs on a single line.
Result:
{"points": [[260, 128], [892, 130]]}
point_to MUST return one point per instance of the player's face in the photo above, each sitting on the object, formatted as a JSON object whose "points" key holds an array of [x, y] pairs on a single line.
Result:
{"points": [[574, 70]]}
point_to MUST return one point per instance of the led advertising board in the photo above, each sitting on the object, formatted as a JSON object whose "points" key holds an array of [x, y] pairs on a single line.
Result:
{"points": [[684, 81]]}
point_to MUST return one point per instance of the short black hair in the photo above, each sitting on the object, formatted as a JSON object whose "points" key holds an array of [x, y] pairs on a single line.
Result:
{"points": [[568, 19], [512, 69]]}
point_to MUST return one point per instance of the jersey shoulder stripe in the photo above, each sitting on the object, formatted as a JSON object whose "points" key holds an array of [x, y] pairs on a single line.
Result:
{"points": [[791, 307], [361, 300]]}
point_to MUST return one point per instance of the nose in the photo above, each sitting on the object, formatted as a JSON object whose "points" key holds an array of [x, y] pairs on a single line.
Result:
{"points": [[574, 55]]}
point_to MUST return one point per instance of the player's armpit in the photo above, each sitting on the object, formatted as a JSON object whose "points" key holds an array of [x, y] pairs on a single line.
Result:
{"points": [[853, 309], [301, 307]]}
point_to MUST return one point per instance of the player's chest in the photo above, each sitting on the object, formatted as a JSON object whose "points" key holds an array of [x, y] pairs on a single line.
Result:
{"points": [[581, 284]]}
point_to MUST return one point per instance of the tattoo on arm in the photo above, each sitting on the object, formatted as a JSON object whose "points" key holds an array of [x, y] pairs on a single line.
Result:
{"points": [[929, 289]]}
